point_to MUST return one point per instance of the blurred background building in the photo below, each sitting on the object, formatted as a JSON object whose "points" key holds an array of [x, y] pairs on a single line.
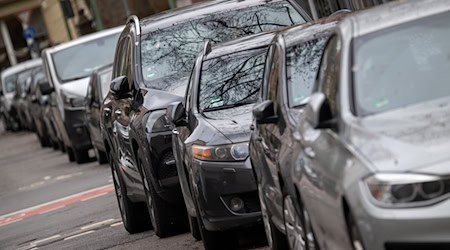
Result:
{"points": [[28, 26]]}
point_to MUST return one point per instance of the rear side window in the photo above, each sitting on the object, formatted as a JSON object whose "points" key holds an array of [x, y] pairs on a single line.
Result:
{"points": [[302, 65]]}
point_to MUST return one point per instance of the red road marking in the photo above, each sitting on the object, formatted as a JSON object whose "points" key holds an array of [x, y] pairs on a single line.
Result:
{"points": [[47, 207]]}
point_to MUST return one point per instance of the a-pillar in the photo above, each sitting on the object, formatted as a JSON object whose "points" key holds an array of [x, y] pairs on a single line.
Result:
{"points": [[8, 44]]}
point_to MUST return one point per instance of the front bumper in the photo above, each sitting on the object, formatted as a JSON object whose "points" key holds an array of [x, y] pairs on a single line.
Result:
{"points": [[402, 228], [215, 184], [76, 129]]}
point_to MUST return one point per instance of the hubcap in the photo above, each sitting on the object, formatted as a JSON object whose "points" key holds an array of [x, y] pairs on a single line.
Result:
{"points": [[265, 217], [150, 206], [294, 228]]}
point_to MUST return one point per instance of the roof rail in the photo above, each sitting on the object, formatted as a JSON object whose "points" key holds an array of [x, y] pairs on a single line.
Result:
{"points": [[207, 47], [135, 20]]}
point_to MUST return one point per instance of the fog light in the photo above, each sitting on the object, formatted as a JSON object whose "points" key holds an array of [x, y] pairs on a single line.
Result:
{"points": [[236, 204]]}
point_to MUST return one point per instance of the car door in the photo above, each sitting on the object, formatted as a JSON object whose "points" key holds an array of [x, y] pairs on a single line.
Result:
{"points": [[268, 141], [324, 157]]}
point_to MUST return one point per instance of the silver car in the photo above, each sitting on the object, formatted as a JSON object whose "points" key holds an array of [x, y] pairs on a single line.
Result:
{"points": [[374, 168]]}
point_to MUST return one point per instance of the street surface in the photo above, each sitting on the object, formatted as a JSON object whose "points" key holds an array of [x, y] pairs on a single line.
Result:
{"points": [[46, 202]]}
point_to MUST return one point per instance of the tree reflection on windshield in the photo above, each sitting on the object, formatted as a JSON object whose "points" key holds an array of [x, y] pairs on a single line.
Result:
{"points": [[231, 80], [173, 50]]}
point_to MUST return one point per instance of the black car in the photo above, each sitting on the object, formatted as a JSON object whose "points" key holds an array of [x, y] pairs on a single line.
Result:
{"points": [[291, 70], [153, 60], [211, 137], [97, 90]]}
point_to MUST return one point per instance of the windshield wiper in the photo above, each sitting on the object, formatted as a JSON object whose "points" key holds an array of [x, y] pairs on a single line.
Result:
{"points": [[234, 105]]}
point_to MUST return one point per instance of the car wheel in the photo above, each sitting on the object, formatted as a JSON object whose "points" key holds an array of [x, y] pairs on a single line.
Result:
{"points": [[275, 239], [63, 148], [355, 235], [167, 219], [134, 215], [70, 154], [82, 156], [195, 230], [55, 145], [101, 156], [295, 229]]}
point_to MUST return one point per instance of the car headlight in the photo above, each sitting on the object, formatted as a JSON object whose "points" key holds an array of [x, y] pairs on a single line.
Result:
{"points": [[407, 190], [161, 124], [72, 101], [230, 152]]}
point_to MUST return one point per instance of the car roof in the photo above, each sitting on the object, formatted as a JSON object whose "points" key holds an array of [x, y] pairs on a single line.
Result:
{"points": [[242, 44], [21, 67], [311, 30], [84, 39], [391, 14], [196, 11]]}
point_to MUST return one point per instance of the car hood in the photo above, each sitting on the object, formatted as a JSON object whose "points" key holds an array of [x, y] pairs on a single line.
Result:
{"points": [[416, 138], [233, 123], [76, 88]]}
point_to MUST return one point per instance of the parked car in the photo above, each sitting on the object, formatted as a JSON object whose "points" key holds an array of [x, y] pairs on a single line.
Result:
{"points": [[152, 64], [37, 103], [291, 70], [20, 100], [372, 167], [68, 67], [97, 90], [8, 79], [210, 141]]}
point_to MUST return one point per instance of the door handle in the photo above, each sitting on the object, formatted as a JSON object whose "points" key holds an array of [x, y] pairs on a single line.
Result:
{"points": [[107, 111], [118, 112], [175, 131], [309, 152]]}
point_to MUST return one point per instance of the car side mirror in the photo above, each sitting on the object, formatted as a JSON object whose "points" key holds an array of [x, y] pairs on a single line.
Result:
{"points": [[176, 114], [45, 88], [264, 113], [120, 88], [318, 112]]}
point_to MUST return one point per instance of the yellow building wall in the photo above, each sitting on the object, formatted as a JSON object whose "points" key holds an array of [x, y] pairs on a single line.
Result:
{"points": [[54, 21]]}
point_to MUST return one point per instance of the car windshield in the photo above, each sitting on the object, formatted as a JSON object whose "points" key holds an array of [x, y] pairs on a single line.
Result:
{"points": [[172, 51], [232, 80], [105, 81], [81, 60], [402, 66], [10, 83], [302, 65]]}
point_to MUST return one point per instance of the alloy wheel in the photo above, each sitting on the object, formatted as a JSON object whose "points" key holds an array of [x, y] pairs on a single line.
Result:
{"points": [[295, 230], [265, 216]]}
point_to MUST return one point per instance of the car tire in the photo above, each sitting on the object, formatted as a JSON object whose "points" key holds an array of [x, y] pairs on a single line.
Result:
{"points": [[195, 229], [81, 156], [70, 154], [167, 219], [134, 215], [101, 156], [63, 148], [355, 235], [55, 145], [275, 239]]}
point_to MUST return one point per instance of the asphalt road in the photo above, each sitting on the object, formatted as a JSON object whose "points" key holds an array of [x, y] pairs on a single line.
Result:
{"points": [[48, 203]]}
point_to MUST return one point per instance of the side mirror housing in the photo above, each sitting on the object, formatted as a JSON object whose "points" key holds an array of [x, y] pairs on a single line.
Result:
{"points": [[176, 114], [120, 88], [45, 88], [318, 113], [264, 113]]}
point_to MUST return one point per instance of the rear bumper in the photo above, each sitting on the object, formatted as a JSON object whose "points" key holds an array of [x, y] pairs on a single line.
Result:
{"points": [[215, 184]]}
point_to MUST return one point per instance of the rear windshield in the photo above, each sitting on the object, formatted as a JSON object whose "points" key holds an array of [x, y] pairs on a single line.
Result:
{"points": [[171, 52], [232, 80], [403, 65], [81, 60]]}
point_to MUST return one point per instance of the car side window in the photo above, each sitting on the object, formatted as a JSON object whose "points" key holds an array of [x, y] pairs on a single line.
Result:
{"points": [[273, 79], [328, 77]]}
